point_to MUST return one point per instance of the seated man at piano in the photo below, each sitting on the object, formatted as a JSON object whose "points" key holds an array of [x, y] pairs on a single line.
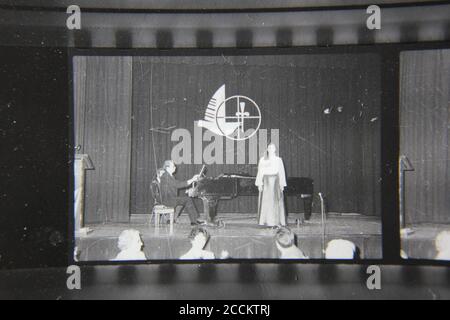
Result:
{"points": [[169, 187]]}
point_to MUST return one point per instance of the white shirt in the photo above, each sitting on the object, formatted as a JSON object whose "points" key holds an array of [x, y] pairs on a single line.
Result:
{"points": [[194, 254], [292, 253], [130, 255]]}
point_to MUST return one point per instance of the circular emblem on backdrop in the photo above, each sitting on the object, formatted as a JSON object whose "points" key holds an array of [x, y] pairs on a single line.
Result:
{"points": [[238, 117]]}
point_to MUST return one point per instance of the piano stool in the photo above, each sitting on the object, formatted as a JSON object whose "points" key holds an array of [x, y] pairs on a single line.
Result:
{"points": [[161, 210]]}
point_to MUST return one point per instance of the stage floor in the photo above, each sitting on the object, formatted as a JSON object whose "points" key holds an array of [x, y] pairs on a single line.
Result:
{"points": [[420, 244], [241, 237]]}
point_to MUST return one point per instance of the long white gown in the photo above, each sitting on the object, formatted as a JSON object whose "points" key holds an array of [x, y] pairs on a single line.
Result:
{"points": [[272, 178]]}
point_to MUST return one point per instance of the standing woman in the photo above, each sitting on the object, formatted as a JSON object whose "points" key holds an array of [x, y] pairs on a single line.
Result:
{"points": [[271, 181]]}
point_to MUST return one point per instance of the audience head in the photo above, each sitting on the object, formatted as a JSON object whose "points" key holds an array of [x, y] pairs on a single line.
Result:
{"points": [[340, 249], [130, 240], [442, 243], [76, 254], [403, 254], [169, 166], [284, 238], [199, 237]]}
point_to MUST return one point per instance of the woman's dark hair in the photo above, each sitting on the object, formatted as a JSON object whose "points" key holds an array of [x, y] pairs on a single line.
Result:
{"points": [[266, 153], [197, 230]]}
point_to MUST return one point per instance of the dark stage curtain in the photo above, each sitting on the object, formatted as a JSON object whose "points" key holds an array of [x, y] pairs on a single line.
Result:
{"points": [[339, 150], [103, 94], [425, 123]]}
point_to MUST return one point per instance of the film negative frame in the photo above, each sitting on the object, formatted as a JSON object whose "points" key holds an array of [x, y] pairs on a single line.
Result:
{"points": [[130, 272]]}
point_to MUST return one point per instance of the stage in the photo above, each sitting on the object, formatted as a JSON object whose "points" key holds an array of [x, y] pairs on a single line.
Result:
{"points": [[241, 237]]}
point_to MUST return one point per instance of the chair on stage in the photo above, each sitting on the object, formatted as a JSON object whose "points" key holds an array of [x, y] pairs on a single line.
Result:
{"points": [[159, 210]]}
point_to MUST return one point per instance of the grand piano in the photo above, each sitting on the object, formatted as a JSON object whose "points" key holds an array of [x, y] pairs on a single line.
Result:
{"points": [[230, 186]]}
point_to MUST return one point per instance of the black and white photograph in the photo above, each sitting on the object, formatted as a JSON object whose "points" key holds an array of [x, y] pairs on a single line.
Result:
{"points": [[219, 155], [227, 157], [424, 161]]}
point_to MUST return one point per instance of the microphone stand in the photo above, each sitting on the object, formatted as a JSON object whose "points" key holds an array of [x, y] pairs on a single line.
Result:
{"points": [[322, 209]]}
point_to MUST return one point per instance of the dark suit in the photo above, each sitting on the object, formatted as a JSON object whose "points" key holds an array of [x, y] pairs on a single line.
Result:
{"points": [[169, 187]]}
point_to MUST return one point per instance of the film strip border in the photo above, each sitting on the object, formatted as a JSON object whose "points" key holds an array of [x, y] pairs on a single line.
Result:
{"points": [[232, 281], [175, 25], [208, 5]]}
